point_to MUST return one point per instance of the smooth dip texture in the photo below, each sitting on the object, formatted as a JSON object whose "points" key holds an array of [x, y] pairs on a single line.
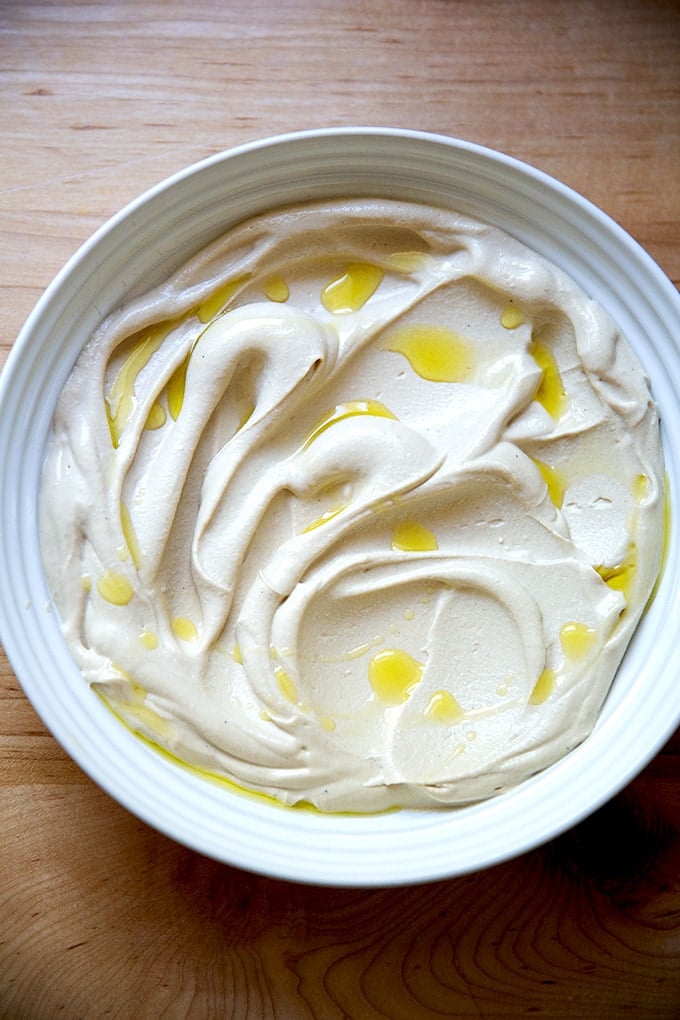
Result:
{"points": [[360, 508]]}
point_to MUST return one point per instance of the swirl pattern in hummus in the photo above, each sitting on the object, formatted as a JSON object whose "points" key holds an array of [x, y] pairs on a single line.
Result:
{"points": [[360, 508]]}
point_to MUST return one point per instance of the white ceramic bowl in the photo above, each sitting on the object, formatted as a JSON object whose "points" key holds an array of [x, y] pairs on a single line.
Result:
{"points": [[140, 246]]}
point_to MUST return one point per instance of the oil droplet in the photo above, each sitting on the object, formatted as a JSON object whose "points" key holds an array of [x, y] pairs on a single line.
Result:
{"points": [[640, 487], [286, 684], [176, 388], [435, 353], [350, 291], [443, 707], [550, 393], [409, 536], [148, 718], [137, 692], [156, 417], [327, 723], [406, 261], [86, 582], [409, 614], [183, 628], [115, 588], [236, 654], [130, 535], [512, 316], [577, 639], [120, 402], [276, 289], [347, 410], [327, 516], [665, 538], [555, 482], [149, 639], [393, 674], [621, 577], [216, 302], [359, 650], [543, 687]]}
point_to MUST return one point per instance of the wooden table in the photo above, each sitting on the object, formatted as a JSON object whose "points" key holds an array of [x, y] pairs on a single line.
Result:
{"points": [[99, 915]]}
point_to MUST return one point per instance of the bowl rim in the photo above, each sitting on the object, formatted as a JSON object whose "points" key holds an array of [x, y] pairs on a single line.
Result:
{"points": [[322, 863]]}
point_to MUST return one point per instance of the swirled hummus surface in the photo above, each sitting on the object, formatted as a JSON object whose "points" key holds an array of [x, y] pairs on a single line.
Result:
{"points": [[360, 508]]}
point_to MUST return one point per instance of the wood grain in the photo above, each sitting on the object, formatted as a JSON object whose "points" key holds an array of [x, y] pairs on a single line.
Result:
{"points": [[100, 916]]}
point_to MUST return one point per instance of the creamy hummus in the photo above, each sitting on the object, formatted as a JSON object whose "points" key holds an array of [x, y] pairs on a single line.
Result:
{"points": [[360, 508]]}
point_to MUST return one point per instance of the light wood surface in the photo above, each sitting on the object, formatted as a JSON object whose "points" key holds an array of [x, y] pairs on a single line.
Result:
{"points": [[100, 916]]}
